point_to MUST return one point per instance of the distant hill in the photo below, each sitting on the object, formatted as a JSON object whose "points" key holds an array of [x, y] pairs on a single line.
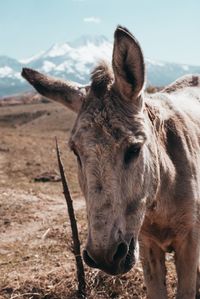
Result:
{"points": [[74, 61]]}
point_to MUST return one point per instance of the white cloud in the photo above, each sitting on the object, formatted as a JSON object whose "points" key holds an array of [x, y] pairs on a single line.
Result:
{"points": [[92, 20]]}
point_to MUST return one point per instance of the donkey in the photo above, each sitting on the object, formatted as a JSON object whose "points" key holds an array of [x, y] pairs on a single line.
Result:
{"points": [[138, 159]]}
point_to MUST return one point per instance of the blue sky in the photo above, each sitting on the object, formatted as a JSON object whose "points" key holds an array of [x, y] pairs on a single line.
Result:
{"points": [[167, 30]]}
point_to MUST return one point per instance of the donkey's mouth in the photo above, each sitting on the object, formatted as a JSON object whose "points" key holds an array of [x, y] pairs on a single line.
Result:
{"points": [[121, 267], [89, 261]]}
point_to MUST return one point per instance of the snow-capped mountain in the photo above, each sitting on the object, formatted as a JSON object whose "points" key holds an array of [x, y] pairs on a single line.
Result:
{"points": [[74, 61]]}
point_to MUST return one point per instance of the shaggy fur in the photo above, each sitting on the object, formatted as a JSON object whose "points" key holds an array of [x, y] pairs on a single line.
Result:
{"points": [[138, 161], [101, 78]]}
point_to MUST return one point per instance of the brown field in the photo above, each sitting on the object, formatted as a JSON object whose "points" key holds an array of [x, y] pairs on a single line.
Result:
{"points": [[36, 259]]}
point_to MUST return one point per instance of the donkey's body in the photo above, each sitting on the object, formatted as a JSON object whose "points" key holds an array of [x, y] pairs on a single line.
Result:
{"points": [[139, 167], [172, 222]]}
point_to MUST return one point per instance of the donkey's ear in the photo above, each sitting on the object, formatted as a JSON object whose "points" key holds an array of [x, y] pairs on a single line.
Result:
{"points": [[128, 65], [67, 93]]}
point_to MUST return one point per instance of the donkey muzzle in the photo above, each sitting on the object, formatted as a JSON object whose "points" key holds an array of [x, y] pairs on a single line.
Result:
{"points": [[117, 259]]}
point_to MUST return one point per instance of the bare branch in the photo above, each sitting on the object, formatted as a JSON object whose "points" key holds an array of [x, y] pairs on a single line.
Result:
{"points": [[75, 237]]}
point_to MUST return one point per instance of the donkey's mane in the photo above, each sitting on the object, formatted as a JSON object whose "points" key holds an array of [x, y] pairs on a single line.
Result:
{"points": [[101, 78]]}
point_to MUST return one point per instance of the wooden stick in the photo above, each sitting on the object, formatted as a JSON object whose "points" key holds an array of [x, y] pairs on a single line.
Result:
{"points": [[75, 237]]}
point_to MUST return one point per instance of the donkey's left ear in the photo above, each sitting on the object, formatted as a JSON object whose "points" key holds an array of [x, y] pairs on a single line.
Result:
{"points": [[128, 65]]}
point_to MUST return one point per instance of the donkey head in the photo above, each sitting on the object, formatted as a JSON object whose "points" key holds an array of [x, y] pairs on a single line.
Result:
{"points": [[110, 141]]}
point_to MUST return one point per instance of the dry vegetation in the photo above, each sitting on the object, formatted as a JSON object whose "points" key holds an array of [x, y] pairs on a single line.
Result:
{"points": [[36, 260]]}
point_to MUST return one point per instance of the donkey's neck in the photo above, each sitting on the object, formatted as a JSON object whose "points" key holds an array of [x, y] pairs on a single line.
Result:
{"points": [[163, 166]]}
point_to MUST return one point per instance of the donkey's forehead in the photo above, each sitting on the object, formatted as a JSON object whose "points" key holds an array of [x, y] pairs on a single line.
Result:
{"points": [[107, 121]]}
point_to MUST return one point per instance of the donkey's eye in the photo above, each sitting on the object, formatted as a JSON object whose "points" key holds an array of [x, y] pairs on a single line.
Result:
{"points": [[131, 153], [77, 156]]}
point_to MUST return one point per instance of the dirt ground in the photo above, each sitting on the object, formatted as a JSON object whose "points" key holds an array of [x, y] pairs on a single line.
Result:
{"points": [[36, 259]]}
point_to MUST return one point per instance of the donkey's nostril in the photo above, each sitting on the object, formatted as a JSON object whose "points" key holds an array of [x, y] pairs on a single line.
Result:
{"points": [[88, 260], [121, 252]]}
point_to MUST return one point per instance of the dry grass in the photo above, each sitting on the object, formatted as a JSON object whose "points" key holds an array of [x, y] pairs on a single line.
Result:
{"points": [[35, 250]]}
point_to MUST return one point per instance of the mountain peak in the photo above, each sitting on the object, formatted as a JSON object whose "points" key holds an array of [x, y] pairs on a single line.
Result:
{"points": [[75, 60], [57, 50], [84, 40]]}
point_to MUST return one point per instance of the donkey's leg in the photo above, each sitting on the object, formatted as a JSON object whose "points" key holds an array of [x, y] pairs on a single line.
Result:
{"points": [[153, 261], [187, 260], [198, 282]]}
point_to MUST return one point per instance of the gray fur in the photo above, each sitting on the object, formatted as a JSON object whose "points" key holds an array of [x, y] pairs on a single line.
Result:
{"points": [[154, 198]]}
